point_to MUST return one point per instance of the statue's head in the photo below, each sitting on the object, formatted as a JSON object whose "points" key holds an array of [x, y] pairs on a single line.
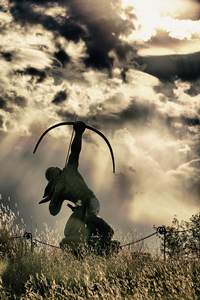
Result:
{"points": [[52, 172]]}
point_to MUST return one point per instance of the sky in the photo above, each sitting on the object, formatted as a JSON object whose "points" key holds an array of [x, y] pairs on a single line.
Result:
{"points": [[131, 69]]}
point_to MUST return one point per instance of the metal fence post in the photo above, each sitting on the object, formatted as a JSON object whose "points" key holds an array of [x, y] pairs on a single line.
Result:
{"points": [[162, 230], [32, 244], [28, 235], [164, 244]]}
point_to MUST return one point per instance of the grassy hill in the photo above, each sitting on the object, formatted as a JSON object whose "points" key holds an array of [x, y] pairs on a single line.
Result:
{"points": [[54, 274]]}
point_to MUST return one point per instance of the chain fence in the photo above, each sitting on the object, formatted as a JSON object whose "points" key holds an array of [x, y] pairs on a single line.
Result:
{"points": [[160, 230]]}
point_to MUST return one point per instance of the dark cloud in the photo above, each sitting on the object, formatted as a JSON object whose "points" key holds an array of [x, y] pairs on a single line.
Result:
{"points": [[100, 33], [186, 121], [20, 101], [2, 103], [7, 56], [194, 89], [123, 74], [169, 67], [98, 59], [167, 89], [60, 97], [62, 56], [104, 27], [1, 121], [191, 121], [190, 127], [139, 112], [16, 99], [23, 13], [66, 115], [162, 39], [123, 49], [103, 38], [34, 72], [2, 8]]}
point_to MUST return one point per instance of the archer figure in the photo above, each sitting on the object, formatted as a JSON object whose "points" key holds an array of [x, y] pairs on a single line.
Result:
{"points": [[68, 184]]}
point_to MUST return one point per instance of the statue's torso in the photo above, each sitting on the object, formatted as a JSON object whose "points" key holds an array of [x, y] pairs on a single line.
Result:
{"points": [[75, 187]]}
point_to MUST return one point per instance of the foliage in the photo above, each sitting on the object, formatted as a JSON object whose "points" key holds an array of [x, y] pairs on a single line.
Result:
{"points": [[182, 239]]}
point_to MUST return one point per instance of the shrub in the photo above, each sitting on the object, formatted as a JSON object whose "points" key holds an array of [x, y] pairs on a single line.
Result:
{"points": [[182, 240]]}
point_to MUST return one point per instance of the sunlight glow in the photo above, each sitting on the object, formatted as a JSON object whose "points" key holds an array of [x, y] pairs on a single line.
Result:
{"points": [[163, 15]]}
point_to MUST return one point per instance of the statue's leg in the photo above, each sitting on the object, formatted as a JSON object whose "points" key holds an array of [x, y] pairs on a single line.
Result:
{"points": [[75, 225], [94, 206], [75, 234], [102, 227], [95, 222]]}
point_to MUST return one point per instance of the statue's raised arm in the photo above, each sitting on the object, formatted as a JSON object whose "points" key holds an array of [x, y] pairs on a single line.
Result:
{"points": [[86, 126]]}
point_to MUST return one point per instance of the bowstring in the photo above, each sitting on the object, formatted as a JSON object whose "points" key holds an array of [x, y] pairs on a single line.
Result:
{"points": [[70, 143]]}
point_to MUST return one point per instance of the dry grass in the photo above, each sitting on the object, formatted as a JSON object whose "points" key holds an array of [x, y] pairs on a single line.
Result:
{"points": [[56, 275]]}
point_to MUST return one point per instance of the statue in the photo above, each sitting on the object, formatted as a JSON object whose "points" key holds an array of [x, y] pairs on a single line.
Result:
{"points": [[84, 225]]}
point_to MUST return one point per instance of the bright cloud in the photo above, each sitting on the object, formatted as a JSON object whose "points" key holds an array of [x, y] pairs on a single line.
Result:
{"points": [[61, 60], [154, 15]]}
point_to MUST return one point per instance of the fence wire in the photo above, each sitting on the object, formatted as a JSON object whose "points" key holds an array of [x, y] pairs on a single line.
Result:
{"points": [[37, 241], [160, 230], [140, 240]]}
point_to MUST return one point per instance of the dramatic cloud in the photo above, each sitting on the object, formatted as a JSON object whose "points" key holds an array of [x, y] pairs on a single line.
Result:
{"points": [[131, 70], [7, 56], [60, 97], [63, 57], [96, 24], [34, 72], [168, 67]]}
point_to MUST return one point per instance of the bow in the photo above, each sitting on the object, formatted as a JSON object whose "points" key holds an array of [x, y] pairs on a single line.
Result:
{"points": [[86, 126]]}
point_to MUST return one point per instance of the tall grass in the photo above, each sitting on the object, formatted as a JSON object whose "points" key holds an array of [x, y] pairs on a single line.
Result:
{"points": [[54, 274]]}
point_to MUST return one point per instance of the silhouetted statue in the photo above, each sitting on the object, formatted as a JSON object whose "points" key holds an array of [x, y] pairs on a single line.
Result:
{"points": [[68, 184]]}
